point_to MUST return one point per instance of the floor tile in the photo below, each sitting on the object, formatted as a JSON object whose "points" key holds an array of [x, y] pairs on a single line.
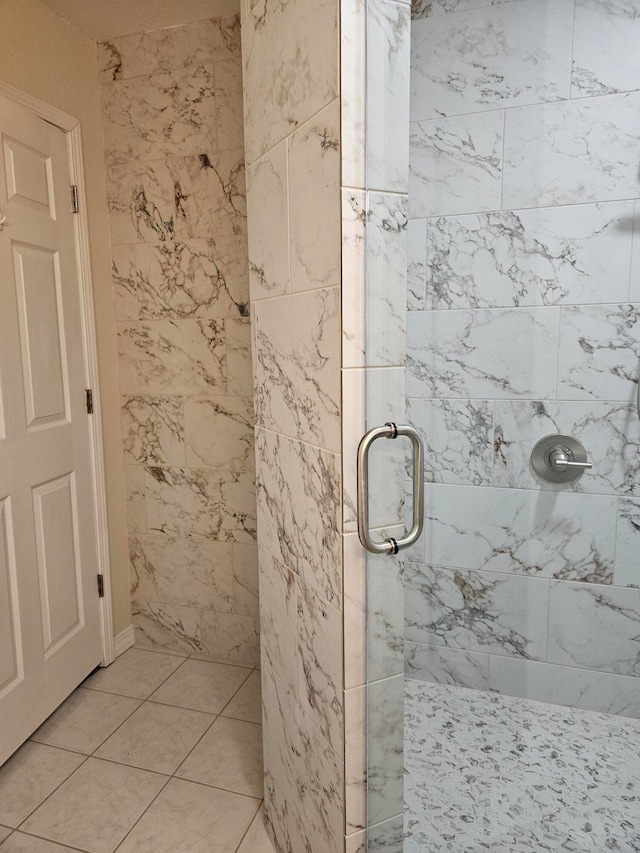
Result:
{"points": [[156, 737], [22, 843], [257, 840], [4, 832], [247, 703], [136, 673], [31, 775], [84, 720], [201, 686], [96, 806], [229, 756], [191, 818]]}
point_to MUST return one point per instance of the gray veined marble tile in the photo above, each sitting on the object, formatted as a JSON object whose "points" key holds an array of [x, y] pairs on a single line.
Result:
{"points": [[167, 626], [599, 353], [124, 277], [110, 60], [605, 56], [458, 437], [627, 572], [245, 579], [167, 49], [547, 256], [141, 203], [231, 637], [544, 534], [448, 666], [135, 497], [507, 55], [420, 9], [167, 115], [385, 753], [416, 264], [227, 87], [219, 432], [478, 611], [353, 89], [572, 152], [355, 754], [482, 354], [455, 164], [279, 619], [441, 7], [153, 430], [610, 433], [595, 627]]}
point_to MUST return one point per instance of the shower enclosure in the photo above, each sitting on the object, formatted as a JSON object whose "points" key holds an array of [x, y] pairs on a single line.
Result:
{"points": [[504, 646]]}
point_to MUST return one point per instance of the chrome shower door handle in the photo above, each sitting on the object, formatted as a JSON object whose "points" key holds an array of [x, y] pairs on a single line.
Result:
{"points": [[392, 431]]}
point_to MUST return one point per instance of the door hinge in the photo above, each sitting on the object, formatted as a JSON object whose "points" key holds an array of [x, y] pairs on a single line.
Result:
{"points": [[100, 586], [89, 401], [74, 199]]}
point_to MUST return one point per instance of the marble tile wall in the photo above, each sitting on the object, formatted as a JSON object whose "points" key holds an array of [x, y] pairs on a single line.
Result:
{"points": [[523, 309], [173, 130], [293, 153]]}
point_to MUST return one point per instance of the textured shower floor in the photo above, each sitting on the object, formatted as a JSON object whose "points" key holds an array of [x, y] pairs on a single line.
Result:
{"points": [[488, 772]]}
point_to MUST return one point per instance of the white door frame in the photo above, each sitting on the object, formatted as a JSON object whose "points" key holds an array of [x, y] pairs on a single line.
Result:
{"points": [[71, 126]]}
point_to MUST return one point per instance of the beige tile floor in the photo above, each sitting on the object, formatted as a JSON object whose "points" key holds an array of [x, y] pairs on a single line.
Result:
{"points": [[158, 753]]}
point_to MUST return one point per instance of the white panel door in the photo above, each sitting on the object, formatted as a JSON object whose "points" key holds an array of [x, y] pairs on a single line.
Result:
{"points": [[49, 613]]}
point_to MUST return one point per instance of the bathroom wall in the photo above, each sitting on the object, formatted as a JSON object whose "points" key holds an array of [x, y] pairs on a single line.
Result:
{"points": [[524, 320], [292, 144], [48, 58], [172, 118]]}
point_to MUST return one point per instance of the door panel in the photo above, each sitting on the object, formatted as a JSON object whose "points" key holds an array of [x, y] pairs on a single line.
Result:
{"points": [[11, 668], [29, 176]]}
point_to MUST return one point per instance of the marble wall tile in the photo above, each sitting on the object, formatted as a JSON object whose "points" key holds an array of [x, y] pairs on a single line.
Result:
{"points": [[141, 202], [420, 9], [354, 278], [168, 49], [124, 279], [210, 195], [280, 92], [205, 278], [355, 759], [455, 164], [110, 60], [153, 430], [454, 353], [571, 152], [543, 534], [166, 115], [203, 503], [477, 611], [299, 507], [416, 264], [245, 579], [441, 7], [314, 201], [605, 58], [320, 665], [268, 220], [188, 572], [219, 432], [227, 87], [595, 627], [549, 256], [353, 88], [448, 666], [239, 371], [136, 505], [565, 685], [279, 619], [231, 637], [167, 626], [458, 439], [492, 57], [297, 366], [385, 748], [610, 433], [354, 610], [196, 364], [627, 572], [385, 621], [387, 122], [599, 352]]}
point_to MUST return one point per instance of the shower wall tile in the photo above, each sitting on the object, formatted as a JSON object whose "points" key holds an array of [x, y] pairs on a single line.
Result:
{"points": [[136, 505], [572, 152], [203, 503], [110, 60], [420, 9], [188, 572], [542, 534], [153, 430], [455, 164], [245, 579], [239, 370], [267, 213], [416, 264], [279, 588], [123, 279], [566, 685], [141, 202], [218, 432], [503, 56], [628, 544], [547, 256], [595, 627], [168, 626], [458, 439], [605, 59], [385, 746], [209, 194], [599, 352], [297, 356], [299, 507], [353, 89], [227, 88], [441, 7], [196, 364], [355, 769], [314, 228], [477, 611], [280, 92], [610, 433], [454, 353], [230, 637], [448, 666]]}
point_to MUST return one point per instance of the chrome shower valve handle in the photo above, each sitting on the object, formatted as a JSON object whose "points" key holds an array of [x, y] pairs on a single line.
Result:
{"points": [[559, 458]]}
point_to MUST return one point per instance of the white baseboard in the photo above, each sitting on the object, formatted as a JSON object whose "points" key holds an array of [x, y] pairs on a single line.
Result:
{"points": [[123, 641]]}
